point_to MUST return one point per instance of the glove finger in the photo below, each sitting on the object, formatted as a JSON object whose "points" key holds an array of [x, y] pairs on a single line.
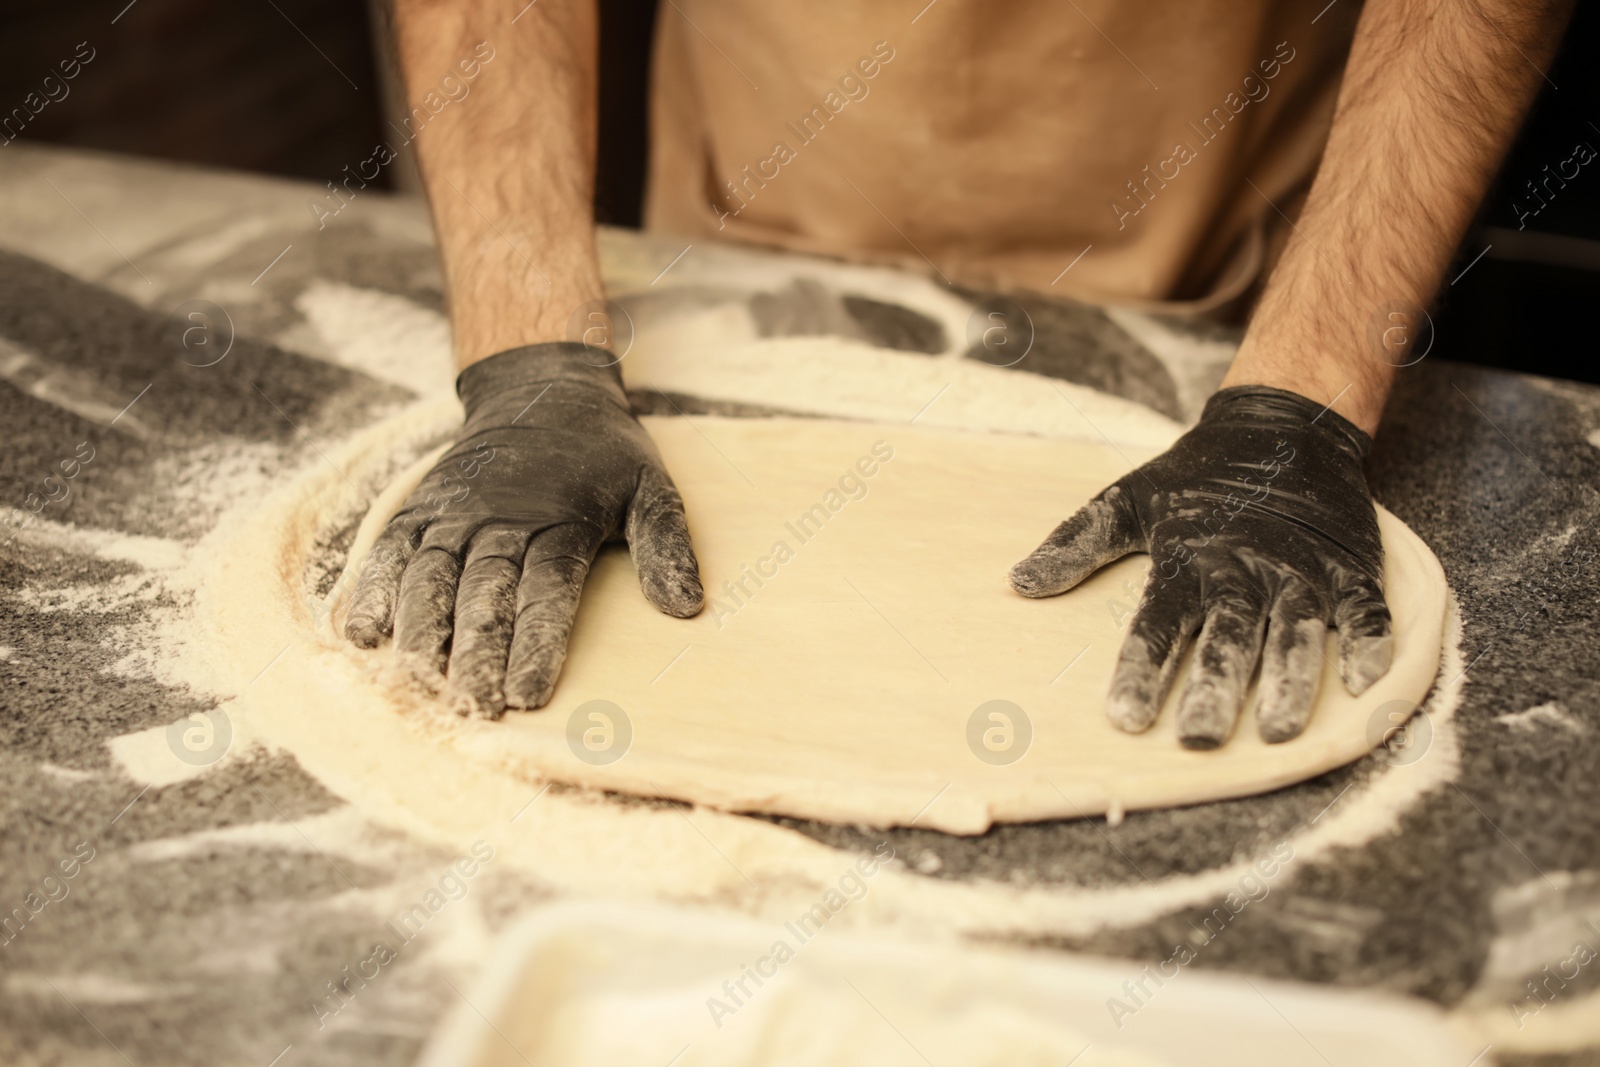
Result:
{"points": [[547, 602], [1162, 625], [1291, 663], [1366, 640], [486, 612], [658, 540], [425, 609], [1105, 529], [1225, 659], [371, 615]]}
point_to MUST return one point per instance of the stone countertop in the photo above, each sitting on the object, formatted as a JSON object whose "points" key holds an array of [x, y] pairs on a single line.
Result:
{"points": [[202, 928]]}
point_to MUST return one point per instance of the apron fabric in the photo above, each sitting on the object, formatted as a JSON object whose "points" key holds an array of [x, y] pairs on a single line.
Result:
{"points": [[1145, 154]]}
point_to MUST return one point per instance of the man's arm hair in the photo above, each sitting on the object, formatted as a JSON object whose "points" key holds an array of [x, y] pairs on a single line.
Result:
{"points": [[509, 168], [1433, 95]]}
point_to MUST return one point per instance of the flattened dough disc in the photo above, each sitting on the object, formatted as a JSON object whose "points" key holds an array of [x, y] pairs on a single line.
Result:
{"points": [[840, 682]]}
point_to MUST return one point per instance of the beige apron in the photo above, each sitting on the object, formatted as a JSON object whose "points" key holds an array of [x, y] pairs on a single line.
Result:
{"points": [[1109, 150]]}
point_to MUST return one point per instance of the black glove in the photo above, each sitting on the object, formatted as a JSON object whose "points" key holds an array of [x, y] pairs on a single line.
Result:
{"points": [[1259, 524], [482, 568]]}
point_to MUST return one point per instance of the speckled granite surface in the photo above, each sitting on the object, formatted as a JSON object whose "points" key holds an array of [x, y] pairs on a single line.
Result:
{"points": [[207, 919]]}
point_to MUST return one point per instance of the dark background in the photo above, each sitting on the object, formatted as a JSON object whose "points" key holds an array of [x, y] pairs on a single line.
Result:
{"points": [[291, 87]]}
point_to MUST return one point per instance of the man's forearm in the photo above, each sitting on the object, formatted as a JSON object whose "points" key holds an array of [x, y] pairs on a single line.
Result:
{"points": [[509, 170], [1433, 94]]}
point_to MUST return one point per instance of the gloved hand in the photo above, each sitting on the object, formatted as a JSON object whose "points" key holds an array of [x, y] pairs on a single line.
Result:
{"points": [[481, 570], [1259, 525]]}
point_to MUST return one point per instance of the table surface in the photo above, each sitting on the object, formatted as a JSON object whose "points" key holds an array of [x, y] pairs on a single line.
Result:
{"points": [[202, 928]]}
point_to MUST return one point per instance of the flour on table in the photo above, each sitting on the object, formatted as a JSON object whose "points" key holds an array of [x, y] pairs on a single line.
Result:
{"points": [[375, 747]]}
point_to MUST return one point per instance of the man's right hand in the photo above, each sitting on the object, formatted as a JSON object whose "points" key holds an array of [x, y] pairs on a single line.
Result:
{"points": [[480, 573], [1261, 531]]}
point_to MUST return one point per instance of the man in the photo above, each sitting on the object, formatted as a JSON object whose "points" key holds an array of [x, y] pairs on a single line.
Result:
{"points": [[1137, 153]]}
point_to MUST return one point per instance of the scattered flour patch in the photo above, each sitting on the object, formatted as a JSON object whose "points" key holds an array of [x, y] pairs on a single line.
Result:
{"points": [[68, 390], [633, 263], [86, 988], [207, 482], [457, 935], [836, 376], [385, 336], [154, 553], [337, 831], [149, 758], [233, 293], [341, 831], [70, 775], [252, 957], [1196, 365], [119, 593], [1550, 714], [212, 245], [1564, 538], [212, 477]]}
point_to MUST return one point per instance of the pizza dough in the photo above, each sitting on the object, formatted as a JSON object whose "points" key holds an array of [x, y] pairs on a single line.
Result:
{"points": [[861, 658]]}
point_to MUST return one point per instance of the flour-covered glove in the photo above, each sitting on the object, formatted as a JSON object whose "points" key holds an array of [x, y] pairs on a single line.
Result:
{"points": [[1261, 532], [480, 572]]}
